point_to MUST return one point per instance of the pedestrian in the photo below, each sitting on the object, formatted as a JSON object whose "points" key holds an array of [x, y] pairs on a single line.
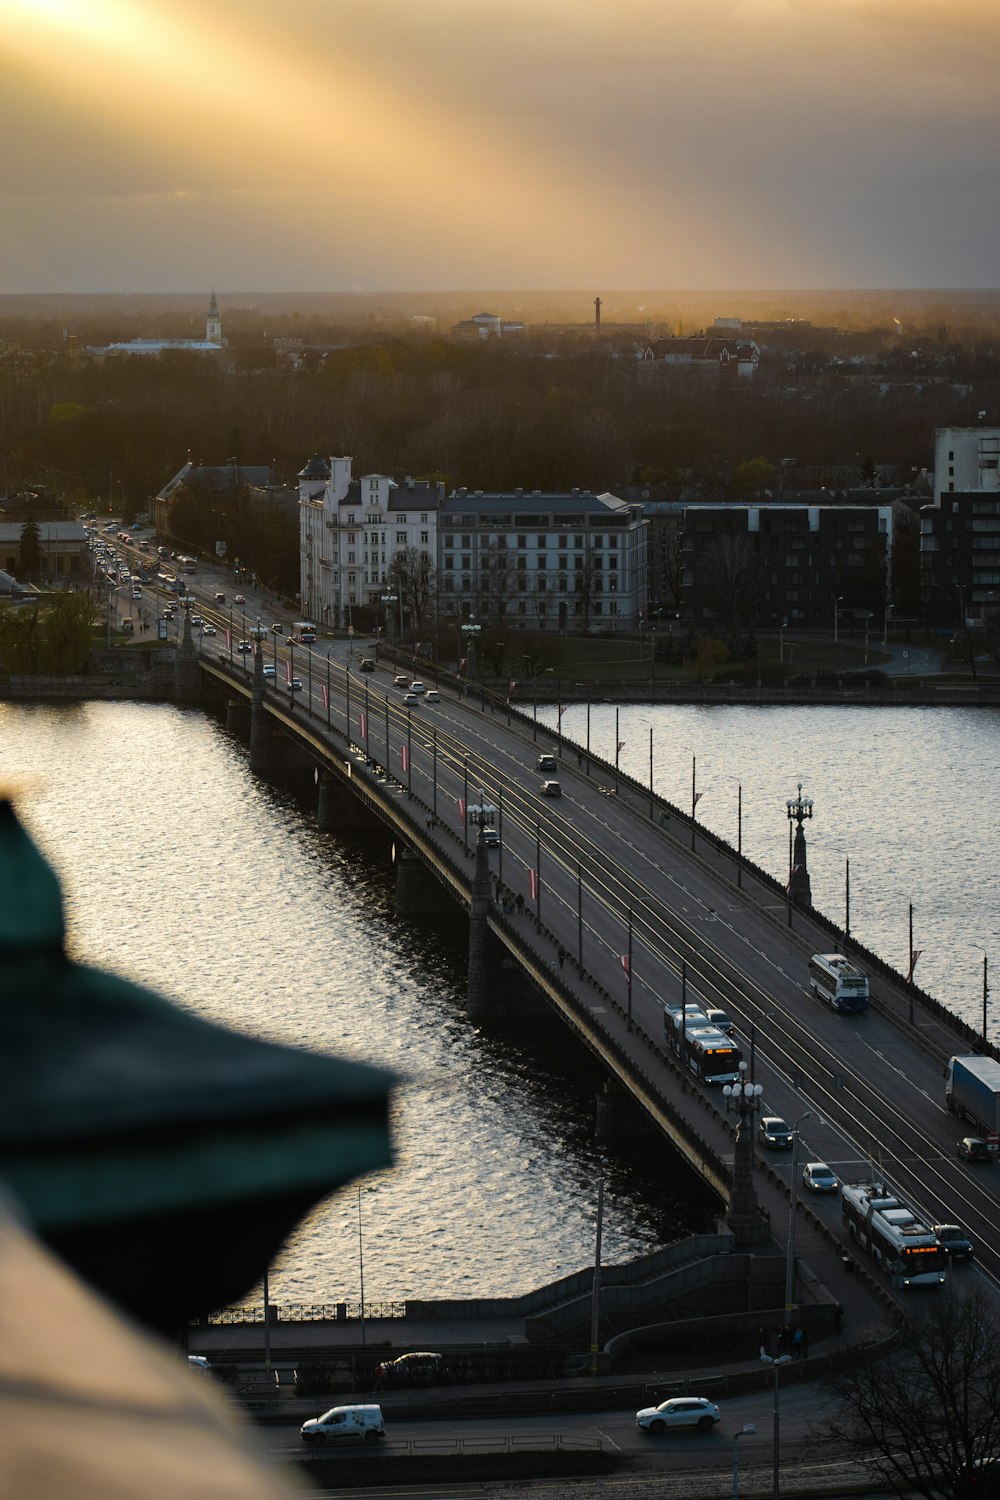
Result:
{"points": [[520, 904], [562, 957], [797, 1344]]}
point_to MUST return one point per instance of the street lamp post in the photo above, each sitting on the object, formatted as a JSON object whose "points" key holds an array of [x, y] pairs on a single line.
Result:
{"points": [[747, 1430], [744, 1216], [799, 808], [792, 1202], [390, 620], [776, 1361], [471, 631], [836, 615]]}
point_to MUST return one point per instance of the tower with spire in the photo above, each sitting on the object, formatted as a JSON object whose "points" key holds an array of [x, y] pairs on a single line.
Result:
{"points": [[213, 323]]}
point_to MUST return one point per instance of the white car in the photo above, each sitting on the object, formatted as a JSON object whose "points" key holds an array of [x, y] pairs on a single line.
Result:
{"points": [[432, 696], [410, 699], [208, 630], [416, 686], [345, 1424], [679, 1411], [270, 672]]}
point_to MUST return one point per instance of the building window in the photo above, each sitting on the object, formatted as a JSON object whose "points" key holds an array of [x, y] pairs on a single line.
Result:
{"points": [[400, 538], [425, 537]]}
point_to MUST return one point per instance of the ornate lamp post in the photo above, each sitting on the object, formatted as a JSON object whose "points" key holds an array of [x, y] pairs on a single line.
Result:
{"points": [[471, 631], [390, 620], [744, 1216], [799, 808]]}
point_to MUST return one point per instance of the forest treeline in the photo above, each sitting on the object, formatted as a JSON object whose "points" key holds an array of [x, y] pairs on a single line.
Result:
{"points": [[542, 414]]}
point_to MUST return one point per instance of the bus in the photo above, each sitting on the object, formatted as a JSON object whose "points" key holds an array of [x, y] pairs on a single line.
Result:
{"points": [[835, 979], [187, 565], [895, 1236], [711, 1055], [304, 632]]}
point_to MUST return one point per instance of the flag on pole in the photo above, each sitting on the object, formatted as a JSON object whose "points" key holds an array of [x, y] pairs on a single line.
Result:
{"points": [[628, 969], [510, 688], [404, 758], [363, 724], [288, 670], [913, 959], [461, 807], [533, 884], [697, 797], [326, 695], [229, 639], [794, 872], [562, 710], [621, 746], [461, 665]]}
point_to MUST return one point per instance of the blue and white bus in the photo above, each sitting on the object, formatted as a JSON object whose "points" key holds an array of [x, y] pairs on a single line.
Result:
{"points": [[839, 982], [895, 1236]]}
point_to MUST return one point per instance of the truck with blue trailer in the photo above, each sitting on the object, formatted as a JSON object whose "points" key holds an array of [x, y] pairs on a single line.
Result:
{"points": [[972, 1091]]}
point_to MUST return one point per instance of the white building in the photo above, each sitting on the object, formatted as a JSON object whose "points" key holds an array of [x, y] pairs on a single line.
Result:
{"points": [[966, 458], [351, 530], [212, 343]]}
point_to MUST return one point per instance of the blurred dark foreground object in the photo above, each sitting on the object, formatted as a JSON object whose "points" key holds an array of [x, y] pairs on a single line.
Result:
{"points": [[90, 1408], [162, 1157]]}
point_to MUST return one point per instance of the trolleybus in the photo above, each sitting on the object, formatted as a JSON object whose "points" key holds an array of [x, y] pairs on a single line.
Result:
{"points": [[835, 979], [895, 1236]]}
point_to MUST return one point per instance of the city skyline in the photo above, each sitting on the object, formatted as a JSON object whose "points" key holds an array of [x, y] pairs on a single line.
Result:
{"points": [[516, 144]]}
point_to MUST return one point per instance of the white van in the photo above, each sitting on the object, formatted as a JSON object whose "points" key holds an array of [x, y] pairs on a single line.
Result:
{"points": [[345, 1424]]}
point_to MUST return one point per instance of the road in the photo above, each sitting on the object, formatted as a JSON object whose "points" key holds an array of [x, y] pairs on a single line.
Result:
{"points": [[608, 882]]}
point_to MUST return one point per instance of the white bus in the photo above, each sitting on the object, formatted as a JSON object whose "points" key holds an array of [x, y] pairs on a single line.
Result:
{"points": [[894, 1235], [835, 979], [710, 1054]]}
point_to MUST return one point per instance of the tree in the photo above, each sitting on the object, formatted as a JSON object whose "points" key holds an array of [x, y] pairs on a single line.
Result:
{"points": [[923, 1418], [411, 576], [733, 580], [31, 550]]}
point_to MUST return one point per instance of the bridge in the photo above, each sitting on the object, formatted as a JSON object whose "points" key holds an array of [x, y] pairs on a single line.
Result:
{"points": [[605, 903]]}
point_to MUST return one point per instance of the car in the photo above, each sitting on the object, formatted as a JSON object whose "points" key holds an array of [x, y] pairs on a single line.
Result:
{"points": [[432, 696], [200, 1363], [401, 680], [491, 838], [270, 672], [416, 686], [366, 664], [244, 646], [168, 614], [208, 630], [239, 599], [819, 1178], [419, 1368], [197, 620], [679, 1411], [277, 628], [954, 1241], [295, 685], [410, 699], [546, 763], [220, 597], [550, 789], [775, 1133], [972, 1148], [721, 1019], [345, 1424]]}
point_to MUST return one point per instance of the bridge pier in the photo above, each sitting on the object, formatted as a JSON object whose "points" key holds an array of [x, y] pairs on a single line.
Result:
{"points": [[497, 989], [616, 1113], [336, 805], [419, 893], [187, 673], [239, 717]]}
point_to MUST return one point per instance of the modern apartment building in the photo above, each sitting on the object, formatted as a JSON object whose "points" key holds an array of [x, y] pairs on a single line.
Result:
{"points": [[960, 531]]}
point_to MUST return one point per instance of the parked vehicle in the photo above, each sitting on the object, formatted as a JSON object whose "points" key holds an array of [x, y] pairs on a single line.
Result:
{"points": [[345, 1424], [419, 1368], [972, 1090], [679, 1411]]}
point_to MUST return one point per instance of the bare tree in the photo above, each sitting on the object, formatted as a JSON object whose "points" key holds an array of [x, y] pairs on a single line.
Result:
{"points": [[497, 579], [411, 575], [925, 1419], [733, 580]]}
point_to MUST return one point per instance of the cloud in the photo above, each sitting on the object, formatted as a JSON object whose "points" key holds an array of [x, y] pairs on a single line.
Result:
{"points": [[522, 142]]}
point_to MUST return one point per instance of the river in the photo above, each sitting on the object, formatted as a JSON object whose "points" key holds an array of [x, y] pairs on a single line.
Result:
{"points": [[183, 871]]}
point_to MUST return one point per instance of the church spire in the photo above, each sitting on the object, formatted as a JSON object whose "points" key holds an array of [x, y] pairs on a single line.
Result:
{"points": [[213, 322]]}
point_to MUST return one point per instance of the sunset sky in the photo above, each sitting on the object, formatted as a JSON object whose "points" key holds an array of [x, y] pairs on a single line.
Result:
{"points": [[337, 145]]}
